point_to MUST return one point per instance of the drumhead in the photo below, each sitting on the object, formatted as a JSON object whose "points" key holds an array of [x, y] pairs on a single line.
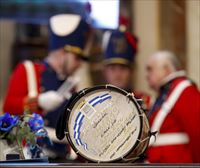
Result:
{"points": [[104, 123]]}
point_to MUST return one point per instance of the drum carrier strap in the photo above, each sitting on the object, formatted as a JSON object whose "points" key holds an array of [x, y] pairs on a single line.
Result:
{"points": [[31, 79], [32, 90]]}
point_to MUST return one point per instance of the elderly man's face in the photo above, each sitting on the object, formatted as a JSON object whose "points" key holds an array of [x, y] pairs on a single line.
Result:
{"points": [[118, 75], [155, 73]]}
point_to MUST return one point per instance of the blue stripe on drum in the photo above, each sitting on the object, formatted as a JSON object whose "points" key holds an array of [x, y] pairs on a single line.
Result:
{"points": [[77, 135], [101, 99], [77, 127], [93, 99], [79, 119], [78, 141], [78, 116], [85, 146], [108, 97], [97, 97], [77, 130], [104, 95]]}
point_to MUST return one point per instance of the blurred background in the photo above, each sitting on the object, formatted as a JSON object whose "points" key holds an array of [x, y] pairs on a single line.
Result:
{"points": [[158, 24]]}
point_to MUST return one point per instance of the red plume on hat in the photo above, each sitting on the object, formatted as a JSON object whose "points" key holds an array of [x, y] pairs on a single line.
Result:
{"points": [[124, 24], [132, 40], [124, 21]]}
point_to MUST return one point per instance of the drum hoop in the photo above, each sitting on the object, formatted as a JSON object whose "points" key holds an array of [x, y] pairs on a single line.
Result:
{"points": [[82, 93]]}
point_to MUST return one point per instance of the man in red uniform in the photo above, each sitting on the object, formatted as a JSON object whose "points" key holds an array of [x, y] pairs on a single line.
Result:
{"points": [[119, 51], [175, 114], [44, 87]]}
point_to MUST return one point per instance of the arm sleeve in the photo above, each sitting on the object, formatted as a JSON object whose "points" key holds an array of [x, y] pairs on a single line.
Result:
{"points": [[16, 92], [189, 117]]}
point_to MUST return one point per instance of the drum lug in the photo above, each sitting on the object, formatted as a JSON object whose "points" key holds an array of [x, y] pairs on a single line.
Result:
{"points": [[142, 105], [140, 102], [66, 132]]}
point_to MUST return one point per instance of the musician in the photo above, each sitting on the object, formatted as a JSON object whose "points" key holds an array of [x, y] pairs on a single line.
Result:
{"points": [[40, 86], [119, 51], [175, 114]]}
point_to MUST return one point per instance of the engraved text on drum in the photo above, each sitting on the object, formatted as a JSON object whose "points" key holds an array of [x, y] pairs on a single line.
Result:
{"points": [[108, 130]]}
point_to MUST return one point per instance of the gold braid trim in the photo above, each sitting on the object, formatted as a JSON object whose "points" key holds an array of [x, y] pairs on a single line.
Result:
{"points": [[74, 49]]}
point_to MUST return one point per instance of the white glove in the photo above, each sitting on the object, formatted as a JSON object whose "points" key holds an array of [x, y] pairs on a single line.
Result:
{"points": [[50, 100]]}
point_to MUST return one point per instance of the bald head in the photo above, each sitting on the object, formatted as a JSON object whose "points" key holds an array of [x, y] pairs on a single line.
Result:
{"points": [[159, 66], [166, 58]]}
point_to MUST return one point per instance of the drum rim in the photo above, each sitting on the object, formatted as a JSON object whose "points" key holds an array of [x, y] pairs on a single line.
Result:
{"points": [[82, 93]]}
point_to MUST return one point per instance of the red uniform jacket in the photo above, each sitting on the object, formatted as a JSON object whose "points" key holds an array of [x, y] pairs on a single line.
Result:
{"points": [[18, 89], [184, 119]]}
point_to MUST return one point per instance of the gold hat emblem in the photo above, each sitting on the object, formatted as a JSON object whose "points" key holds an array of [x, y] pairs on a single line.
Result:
{"points": [[119, 45]]}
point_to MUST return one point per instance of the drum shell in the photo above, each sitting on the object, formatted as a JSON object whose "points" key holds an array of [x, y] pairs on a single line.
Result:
{"points": [[143, 140]]}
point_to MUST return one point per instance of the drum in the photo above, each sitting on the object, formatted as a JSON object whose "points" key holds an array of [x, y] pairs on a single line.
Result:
{"points": [[105, 124]]}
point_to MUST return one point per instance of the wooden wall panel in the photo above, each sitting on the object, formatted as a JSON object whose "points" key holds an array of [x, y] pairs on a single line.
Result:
{"points": [[173, 28]]}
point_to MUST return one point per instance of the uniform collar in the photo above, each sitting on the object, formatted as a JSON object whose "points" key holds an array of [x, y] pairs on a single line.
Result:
{"points": [[173, 76], [167, 81], [49, 67]]}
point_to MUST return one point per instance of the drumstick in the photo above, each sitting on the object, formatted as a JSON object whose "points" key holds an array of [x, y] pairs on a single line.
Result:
{"points": [[66, 87]]}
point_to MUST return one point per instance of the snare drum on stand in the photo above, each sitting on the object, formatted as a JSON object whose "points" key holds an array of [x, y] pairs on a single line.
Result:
{"points": [[105, 124]]}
